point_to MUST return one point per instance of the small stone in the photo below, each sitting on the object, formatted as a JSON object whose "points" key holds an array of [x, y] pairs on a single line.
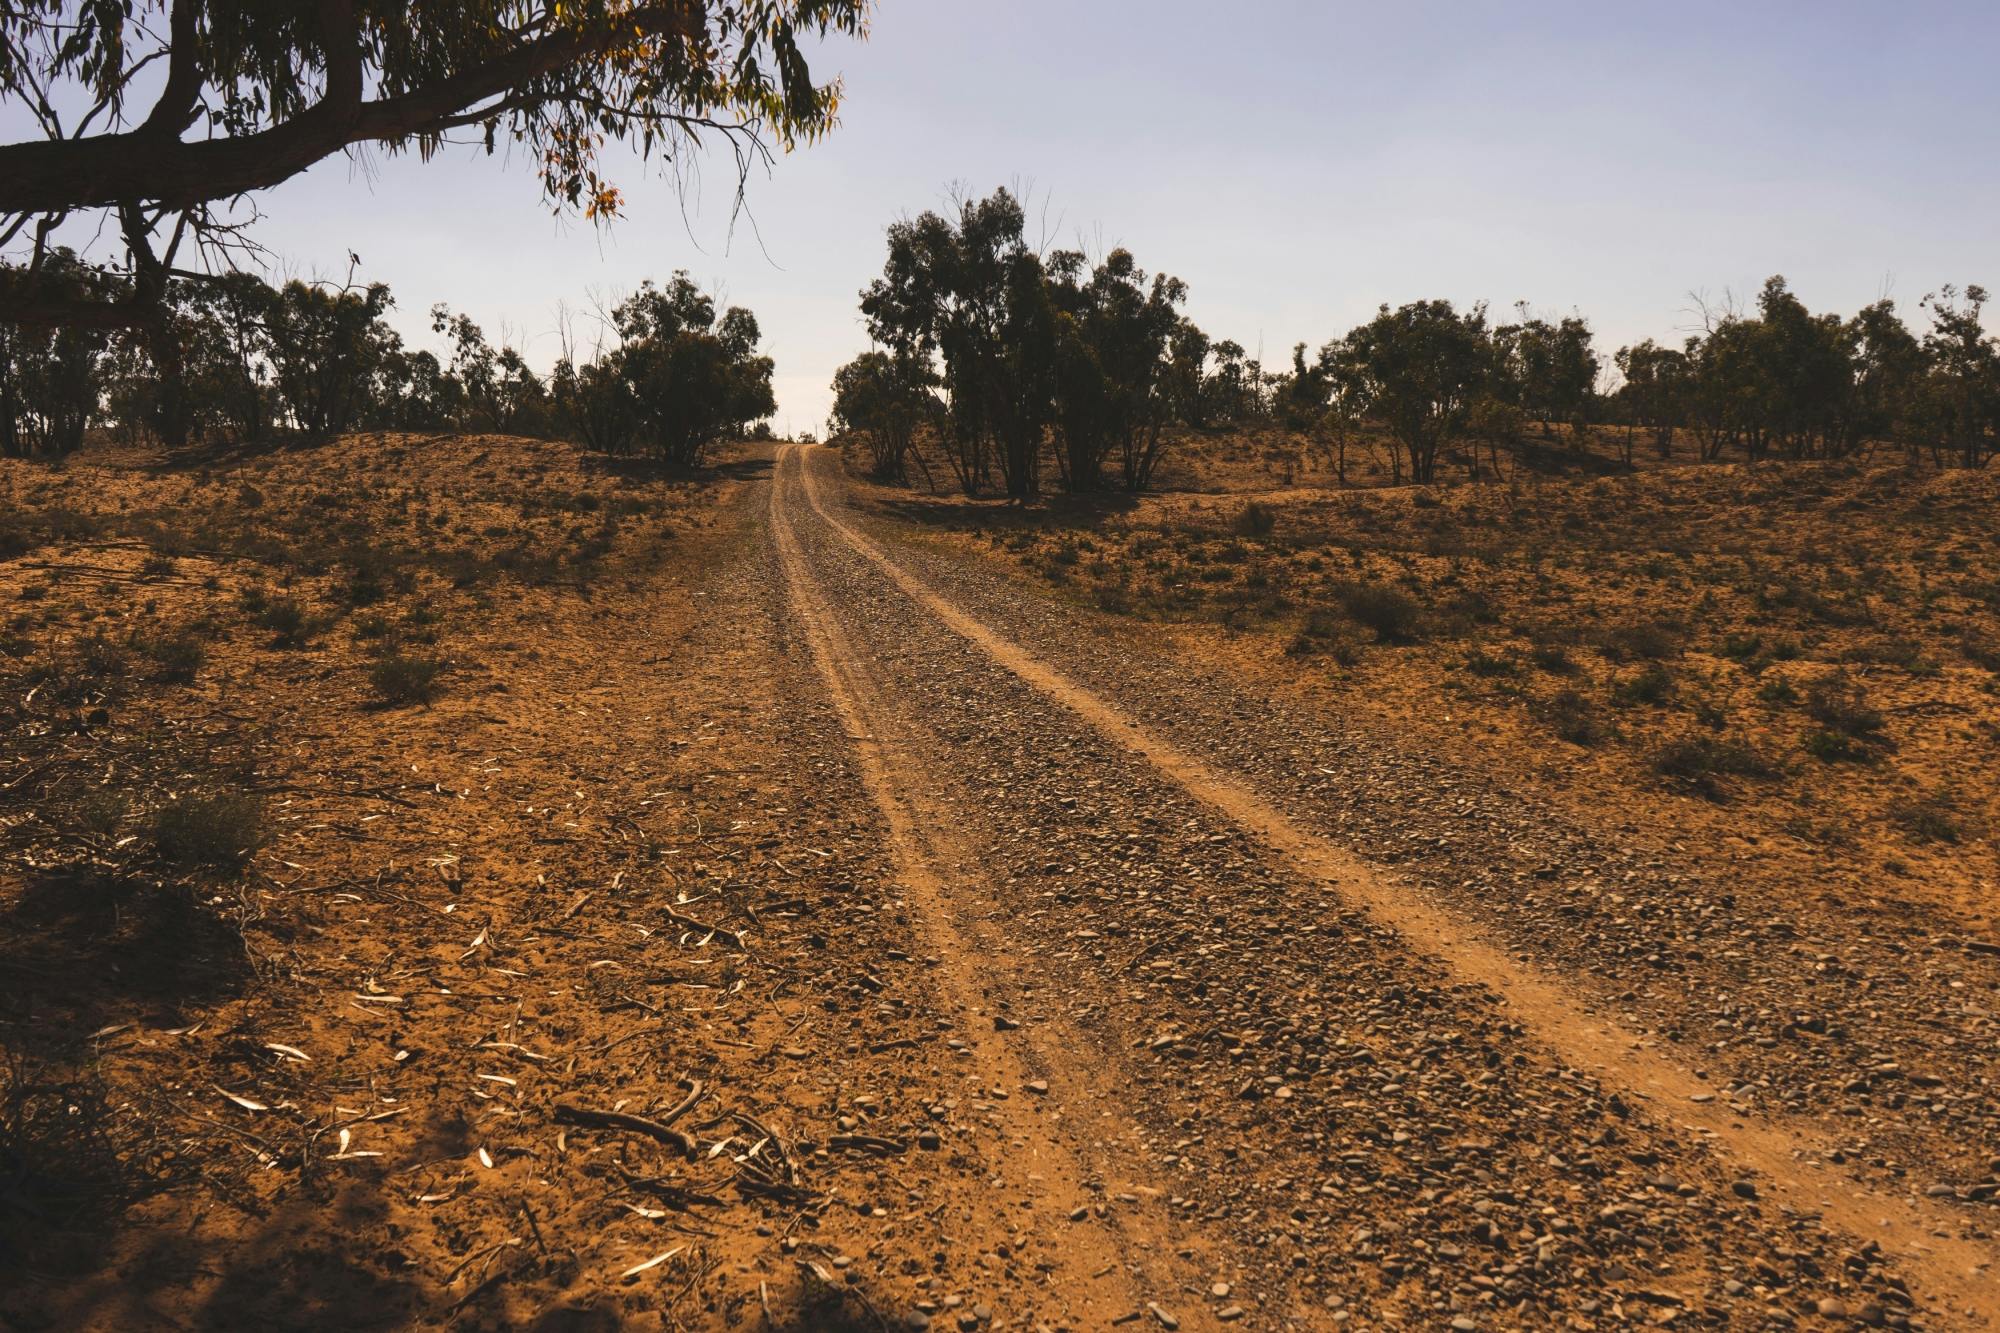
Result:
{"points": [[1229, 1313], [1219, 1290], [1167, 1321], [1002, 1023], [928, 1138], [1037, 1086], [1464, 1325], [1744, 1189], [1831, 1308]]}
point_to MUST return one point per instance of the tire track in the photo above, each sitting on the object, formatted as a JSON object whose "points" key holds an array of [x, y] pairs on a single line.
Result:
{"points": [[1113, 1267], [1948, 1270]]}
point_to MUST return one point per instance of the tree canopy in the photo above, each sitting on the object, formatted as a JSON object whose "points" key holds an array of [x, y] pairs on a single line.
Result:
{"points": [[240, 95]]}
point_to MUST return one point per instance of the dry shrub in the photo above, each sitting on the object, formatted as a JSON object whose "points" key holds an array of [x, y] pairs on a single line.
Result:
{"points": [[218, 831]]}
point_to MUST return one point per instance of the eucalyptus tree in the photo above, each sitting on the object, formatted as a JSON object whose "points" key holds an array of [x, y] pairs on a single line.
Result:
{"points": [[1418, 369], [884, 398], [966, 298], [1111, 385]]}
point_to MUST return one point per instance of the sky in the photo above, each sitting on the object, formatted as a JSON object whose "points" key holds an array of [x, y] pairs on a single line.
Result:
{"points": [[1296, 164]]}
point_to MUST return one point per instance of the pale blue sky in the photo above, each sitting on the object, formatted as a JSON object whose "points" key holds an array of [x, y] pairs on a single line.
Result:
{"points": [[1296, 164]]}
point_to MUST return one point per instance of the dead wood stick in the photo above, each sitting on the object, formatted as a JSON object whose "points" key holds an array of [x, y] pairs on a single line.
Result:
{"points": [[692, 924], [636, 1124], [661, 1129], [868, 1143]]}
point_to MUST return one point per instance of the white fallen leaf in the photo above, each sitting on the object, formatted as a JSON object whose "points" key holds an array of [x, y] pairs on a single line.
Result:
{"points": [[650, 1214], [486, 1159], [247, 1103], [289, 1052], [653, 1262]]}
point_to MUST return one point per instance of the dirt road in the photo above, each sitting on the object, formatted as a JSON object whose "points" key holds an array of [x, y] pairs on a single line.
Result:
{"points": [[794, 921], [1366, 1098]]}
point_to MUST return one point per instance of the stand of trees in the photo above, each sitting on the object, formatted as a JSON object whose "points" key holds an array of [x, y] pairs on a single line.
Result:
{"points": [[1003, 351], [1014, 361], [248, 359]]}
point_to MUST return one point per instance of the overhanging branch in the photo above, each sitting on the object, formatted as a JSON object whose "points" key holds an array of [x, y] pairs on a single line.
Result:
{"points": [[105, 170]]}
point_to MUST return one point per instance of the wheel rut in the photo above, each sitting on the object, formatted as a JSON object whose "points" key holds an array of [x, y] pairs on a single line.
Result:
{"points": [[1948, 1271], [1062, 1115]]}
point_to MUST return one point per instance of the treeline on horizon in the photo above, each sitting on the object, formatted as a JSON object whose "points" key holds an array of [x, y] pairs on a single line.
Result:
{"points": [[1012, 361], [234, 359]]}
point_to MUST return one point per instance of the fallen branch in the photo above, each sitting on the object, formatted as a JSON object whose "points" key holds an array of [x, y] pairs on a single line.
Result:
{"points": [[678, 919], [661, 1129]]}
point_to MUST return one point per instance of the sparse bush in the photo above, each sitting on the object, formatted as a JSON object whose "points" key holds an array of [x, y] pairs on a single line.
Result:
{"points": [[1904, 653], [404, 678], [1574, 718], [1698, 761], [87, 669], [1553, 658], [1930, 818], [1482, 663], [1778, 691], [1839, 704], [1980, 651], [1393, 615], [1256, 519], [1325, 635], [176, 657], [1650, 639], [288, 620], [215, 832], [1652, 686]]}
